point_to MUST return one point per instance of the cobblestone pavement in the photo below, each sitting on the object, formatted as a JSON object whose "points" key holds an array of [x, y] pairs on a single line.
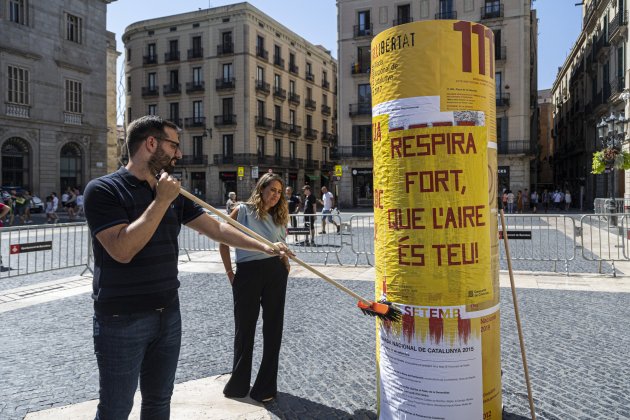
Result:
{"points": [[576, 346]]}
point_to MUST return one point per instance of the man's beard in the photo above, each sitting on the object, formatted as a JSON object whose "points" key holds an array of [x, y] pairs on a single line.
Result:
{"points": [[160, 161]]}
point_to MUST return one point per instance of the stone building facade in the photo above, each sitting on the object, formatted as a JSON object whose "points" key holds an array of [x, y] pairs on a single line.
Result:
{"points": [[590, 86], [250, 95], [515, 31], [53, 126]]}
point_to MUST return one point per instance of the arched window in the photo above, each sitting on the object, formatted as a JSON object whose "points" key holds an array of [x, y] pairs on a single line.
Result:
{"points": [[16, 158], [70, 164]]}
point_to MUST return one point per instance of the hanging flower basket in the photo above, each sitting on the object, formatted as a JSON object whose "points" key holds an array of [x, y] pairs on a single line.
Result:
{"points": [[610, 158]]}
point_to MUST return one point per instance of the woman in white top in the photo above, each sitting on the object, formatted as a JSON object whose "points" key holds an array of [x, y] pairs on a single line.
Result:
{"points": [[259, 280]]}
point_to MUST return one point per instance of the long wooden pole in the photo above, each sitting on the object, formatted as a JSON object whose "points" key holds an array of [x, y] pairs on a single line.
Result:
{"points": [[516, 313], [264, 240]]}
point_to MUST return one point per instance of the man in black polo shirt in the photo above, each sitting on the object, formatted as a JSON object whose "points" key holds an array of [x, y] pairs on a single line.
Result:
{"points": [[135, 219]]}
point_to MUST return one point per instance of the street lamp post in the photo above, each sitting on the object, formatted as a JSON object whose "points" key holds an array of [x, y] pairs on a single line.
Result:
{"points": [[612, 132]]}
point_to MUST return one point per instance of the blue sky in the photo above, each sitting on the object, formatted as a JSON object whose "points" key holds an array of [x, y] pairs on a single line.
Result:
{"points": [[559, 23]]}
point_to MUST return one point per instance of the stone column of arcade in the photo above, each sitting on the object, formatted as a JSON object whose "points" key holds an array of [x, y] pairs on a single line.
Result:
{"points": [[436, 242]]}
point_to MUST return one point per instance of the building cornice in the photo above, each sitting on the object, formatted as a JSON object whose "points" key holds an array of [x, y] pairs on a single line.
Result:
{"points": [[70, 66], [22, 53]]}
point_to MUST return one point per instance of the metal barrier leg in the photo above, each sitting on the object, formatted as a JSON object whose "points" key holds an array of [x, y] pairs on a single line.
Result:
{"points": [[338, 260], [614, 269]]}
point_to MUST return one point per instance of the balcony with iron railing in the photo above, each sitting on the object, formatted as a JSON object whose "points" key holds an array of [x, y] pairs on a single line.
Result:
{"points": [[311, 164], [294, 98], [263, 87], [328, 137], [263, 122], [588, 13], [279, 93], [617, 86], [515, 147], [148, 60], [280, 127], [262, 53], [195, 122], [362, 108], [172, 89], [225, 48], [310, 77], [617, 25], [402, 20], [363, 30], [293, 68], [310, 134], [149, 91], [451, 14], [502, 99], [171, 56], [199, 86], [326, 110], [253, 159], [195, 54], [491, 11], [225, 120], [356, 151], [295, 130], [278, 61], [360, 68], [193, 160], [225, 83], [602, 45], [310, 104], [326, 84]]}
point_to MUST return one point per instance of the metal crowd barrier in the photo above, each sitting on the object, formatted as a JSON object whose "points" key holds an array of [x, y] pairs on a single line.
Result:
{"points": [[599, 204], [533, 237], [191, 240], [605, 238], [306, 234], [540, 238], [41, 248], [362, 239]]}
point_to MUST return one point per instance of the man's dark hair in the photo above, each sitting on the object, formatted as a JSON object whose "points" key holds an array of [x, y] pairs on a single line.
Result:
{"points": [[143, 127]]}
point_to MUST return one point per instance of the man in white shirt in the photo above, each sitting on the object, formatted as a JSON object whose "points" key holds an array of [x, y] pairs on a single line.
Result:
{"points": [[327, 201]]}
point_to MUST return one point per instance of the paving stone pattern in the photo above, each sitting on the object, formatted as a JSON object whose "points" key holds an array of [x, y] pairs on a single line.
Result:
{"points": [[576, 345]]}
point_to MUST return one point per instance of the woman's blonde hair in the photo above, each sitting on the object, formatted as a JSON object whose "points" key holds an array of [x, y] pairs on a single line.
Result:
{"points": [[279, 212]]}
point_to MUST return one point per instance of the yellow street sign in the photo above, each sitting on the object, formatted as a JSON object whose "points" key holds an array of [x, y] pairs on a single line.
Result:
{"points": [[338, 170], [241, 171]]}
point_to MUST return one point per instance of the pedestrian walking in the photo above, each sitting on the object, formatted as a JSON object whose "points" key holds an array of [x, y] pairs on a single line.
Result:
{"points": [[510, 201], [135, 215], [259, 281], [294, 203], [80, 202], [557, 200], [27, 208], [546, 197], [230, 204], [310, 208], [567, 200], [534, 201], [327, 201], [519, 202], [55, 205]]}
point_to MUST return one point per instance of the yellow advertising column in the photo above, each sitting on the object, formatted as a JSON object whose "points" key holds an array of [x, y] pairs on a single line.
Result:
{"points": [[436, 243]]}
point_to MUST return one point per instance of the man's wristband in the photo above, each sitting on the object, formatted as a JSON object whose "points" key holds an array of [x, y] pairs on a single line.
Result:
{"points": [[229, 271]]}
